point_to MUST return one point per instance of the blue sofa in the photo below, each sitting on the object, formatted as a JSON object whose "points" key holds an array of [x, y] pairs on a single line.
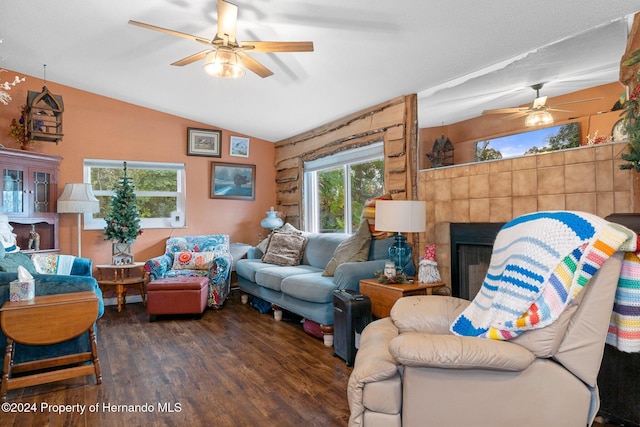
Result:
{"points": [[48, 284], [302, 289]]}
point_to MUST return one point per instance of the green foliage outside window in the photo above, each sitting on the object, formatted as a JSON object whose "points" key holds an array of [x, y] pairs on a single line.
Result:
{"points": [[366, 181], [144, 180], [567, 136]]}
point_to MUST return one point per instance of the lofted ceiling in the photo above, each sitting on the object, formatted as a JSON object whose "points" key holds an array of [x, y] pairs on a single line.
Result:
{"points": [[460, 57]]}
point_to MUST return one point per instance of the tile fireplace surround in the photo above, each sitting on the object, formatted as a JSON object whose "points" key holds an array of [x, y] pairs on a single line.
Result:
{"points": [[586, 179]]}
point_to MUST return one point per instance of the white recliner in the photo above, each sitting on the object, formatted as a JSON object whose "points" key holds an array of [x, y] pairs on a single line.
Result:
{"points": [[411, 370]]}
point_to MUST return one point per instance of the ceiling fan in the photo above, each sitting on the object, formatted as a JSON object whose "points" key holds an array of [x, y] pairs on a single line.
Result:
{"points": [[225, 56], [538, 113]]}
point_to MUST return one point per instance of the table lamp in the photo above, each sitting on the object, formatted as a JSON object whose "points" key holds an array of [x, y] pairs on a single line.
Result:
{"points": [[78, 198], [401, 216]]}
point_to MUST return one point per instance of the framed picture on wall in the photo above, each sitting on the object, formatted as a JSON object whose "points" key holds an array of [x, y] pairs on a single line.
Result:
{"points": [[203, 142], [233, 181], [239, 147]]}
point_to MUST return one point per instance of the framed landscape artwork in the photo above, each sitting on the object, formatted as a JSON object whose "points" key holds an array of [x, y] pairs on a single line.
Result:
{"points": [[239, 147], [203, 142], [233, 181]]}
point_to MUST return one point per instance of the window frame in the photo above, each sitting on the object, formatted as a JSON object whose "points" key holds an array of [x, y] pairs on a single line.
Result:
{"points": [[344, 159], [96, 223]]}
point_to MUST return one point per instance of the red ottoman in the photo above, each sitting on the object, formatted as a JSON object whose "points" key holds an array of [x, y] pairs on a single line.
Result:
{"points": [[177, 295]]}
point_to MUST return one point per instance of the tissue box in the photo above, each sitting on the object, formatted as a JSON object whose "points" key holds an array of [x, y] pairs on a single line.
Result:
{"points": [[22, 290]]}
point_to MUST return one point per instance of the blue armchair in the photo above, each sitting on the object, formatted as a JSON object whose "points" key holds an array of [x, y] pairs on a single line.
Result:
{"points": [[49, 284], [204, 256]]}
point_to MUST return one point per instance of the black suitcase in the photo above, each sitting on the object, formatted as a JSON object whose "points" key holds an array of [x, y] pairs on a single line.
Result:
{"points": [[351, 313]]}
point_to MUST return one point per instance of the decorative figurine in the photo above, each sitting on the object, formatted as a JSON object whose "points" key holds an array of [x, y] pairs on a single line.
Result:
{"points": [[428, 269], [34, 239]]}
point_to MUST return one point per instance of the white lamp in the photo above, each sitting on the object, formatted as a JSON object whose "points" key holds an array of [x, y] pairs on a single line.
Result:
{"points": [[78, 198], [401, 216]]}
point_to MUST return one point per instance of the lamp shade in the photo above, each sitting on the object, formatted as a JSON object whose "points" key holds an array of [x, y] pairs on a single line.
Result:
{"points": [[78, 198], [401, 216]]}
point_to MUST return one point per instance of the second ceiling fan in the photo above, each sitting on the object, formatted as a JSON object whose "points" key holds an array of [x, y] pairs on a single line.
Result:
{"points": [[538, 113], [224, 55]]}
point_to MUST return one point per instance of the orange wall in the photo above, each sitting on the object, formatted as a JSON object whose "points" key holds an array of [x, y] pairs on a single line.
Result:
{"points": [[102, 128]]}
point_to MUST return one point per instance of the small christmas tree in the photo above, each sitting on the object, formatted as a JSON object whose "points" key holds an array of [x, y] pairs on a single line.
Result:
{"points": [[123, 220]]}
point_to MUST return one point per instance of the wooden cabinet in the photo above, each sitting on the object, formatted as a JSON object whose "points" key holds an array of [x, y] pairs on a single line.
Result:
{"points": [[29, 192]]}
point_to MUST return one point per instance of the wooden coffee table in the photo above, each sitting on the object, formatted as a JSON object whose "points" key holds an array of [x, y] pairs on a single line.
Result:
{"points": [[49, 319], [383, 296]]}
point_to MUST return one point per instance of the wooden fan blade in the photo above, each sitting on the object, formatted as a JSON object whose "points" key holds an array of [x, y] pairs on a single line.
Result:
{"points": [[192, 58], [278, 46], [562, 111], [515, 115], [504, 110], [254, 65], [575, 102], [227, 20], [171, 32]]}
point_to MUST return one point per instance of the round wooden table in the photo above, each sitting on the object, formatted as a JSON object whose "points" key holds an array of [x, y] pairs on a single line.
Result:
{"points": [[121, 277]]}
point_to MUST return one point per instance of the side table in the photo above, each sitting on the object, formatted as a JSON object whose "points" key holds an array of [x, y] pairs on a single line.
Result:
{"points": [[121, 277], [49, 319], [383, 296]]}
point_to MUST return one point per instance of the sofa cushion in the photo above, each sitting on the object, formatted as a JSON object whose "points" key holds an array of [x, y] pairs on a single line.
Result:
{"points": [[248, 268], [285, 249], [320, 248], [193, 260], [312, 287], [353, 249], [272, 277]]}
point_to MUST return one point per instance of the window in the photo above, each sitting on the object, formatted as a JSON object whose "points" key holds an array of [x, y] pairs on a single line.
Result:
{"points": [[159, 188], [337, 187]]}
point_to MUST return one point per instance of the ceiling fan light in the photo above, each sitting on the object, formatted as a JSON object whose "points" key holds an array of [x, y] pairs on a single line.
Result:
{"points": [[538, 118], [223, 63]]}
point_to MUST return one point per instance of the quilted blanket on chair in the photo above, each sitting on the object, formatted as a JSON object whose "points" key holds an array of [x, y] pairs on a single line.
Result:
{"points": [[540, 262]]}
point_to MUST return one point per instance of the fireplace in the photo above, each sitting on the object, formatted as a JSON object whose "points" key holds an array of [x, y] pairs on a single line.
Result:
{"points": [[471, 246]]}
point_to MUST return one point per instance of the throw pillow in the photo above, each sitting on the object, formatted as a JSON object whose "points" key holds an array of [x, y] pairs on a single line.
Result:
{"points": [[353, 249], [369, 215], [286, 229], [285, 249], [193, 260]]}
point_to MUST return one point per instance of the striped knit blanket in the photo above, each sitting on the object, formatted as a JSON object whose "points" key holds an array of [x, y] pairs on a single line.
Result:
{"points": [[540, 262]]}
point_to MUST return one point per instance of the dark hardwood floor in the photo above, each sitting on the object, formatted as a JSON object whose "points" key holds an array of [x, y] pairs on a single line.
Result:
{"points": [[233, 367]]}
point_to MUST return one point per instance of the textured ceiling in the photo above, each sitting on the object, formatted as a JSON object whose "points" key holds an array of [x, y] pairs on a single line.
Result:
{"points": [[460, 57]]}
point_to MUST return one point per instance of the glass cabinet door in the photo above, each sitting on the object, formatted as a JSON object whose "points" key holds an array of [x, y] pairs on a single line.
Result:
{"points": [[41, 186], [12, 191]]}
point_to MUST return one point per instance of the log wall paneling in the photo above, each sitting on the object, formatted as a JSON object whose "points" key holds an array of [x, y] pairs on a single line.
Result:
{"points": [[394, 122]]}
